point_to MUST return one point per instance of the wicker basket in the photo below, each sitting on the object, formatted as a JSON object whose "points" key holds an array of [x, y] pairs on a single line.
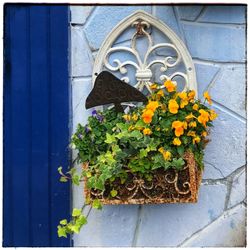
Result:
{"points": [[166, 186]]}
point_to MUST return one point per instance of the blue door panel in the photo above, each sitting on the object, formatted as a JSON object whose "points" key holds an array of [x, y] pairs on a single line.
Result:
{"points": [[36, 124]]}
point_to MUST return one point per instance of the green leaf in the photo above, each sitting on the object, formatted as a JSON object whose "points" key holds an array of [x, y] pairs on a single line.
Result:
{"points": [[76, 212], [61, 231], [96, 204], [63, 222], [180, 150], [74, 228], [60, 170], [113, 193], [143, 153], [178, 163], [110, 138], [63, 179], [76, 179], [82, 220]]}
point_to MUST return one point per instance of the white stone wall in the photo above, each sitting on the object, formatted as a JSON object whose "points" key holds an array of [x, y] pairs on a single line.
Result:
{"points": [[215, 37]]}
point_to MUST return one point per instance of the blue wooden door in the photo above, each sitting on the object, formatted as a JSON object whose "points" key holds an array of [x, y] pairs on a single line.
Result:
{"points": [[36, 123]]}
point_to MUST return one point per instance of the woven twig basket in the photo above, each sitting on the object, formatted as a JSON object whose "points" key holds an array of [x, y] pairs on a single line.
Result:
{"points": [[166, 186]]}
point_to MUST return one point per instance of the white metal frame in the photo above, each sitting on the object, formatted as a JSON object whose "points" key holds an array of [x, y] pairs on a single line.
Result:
{"points": [[142, 66]]}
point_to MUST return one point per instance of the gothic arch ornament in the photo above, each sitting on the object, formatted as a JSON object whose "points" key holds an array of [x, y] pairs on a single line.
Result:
{"points": [[141, 21]]}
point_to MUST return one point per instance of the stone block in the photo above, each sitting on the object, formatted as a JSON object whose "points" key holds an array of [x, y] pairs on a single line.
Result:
{"points": [[104, 19], [216, 43], [230, 89], [113, 226], [168, 225], [227, 150], [228, 231], [80, 91], [238, 191], [79, 14], [189, 12], [224, 14], [204, 75], [81, 57], [167, 15]]}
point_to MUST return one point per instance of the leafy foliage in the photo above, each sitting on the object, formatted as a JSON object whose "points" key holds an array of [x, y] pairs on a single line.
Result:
{"points": [[145, 139]]}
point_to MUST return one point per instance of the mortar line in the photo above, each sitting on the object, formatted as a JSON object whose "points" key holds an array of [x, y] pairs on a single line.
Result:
{"points": [[80, 78], [137, 227], [223, 180], [218, 25], [229, 111], [178, 20], [204, 8], [213, 221], [89, 16], [216, 63]]}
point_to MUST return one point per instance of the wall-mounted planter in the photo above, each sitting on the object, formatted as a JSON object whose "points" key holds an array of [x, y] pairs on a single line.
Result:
{"points": [[166, 186]]}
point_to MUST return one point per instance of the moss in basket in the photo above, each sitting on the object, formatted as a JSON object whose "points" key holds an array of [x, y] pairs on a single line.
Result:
{"points": [[145, 139]]}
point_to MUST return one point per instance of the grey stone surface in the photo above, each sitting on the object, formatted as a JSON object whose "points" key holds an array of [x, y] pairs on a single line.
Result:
{"points": [[190, 12], [206, 42], [228, 231], [167, 15], [238, 191], [80, 90], [205, 74], [81, 57], [170, 224], [104, 18], [113, 226], [226, 150], [224, 14], [213, 43], [79, 14], [233, 82]]}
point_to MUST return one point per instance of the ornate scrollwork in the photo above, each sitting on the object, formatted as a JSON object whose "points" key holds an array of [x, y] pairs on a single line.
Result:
{"points": [[166, 186], [143, 65]]}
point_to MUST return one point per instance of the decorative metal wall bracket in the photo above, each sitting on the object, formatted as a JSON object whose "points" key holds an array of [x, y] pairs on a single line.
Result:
{"points": [[140, 22]]}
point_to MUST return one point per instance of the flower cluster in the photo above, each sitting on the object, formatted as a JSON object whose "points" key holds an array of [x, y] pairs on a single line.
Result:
{"points": [[148, 137]]}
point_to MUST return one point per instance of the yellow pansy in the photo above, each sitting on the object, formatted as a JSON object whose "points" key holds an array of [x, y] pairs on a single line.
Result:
{"points": [[204, 133], [127, 117], [191, 95], [195, 107], [192, 124], [207, 97], [213, 115], [161, 149], [179, 127], [153, 86], [203, 118], [131, 127], [185, 125], [160, 94], [147, 116], [184, 99], [170, 86], [191, 133], [177, 124], [135, 117], [152, 105], [173, 106], [147, 131], [196, 139], [177, 142], [166, 155], [190, 116]]}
